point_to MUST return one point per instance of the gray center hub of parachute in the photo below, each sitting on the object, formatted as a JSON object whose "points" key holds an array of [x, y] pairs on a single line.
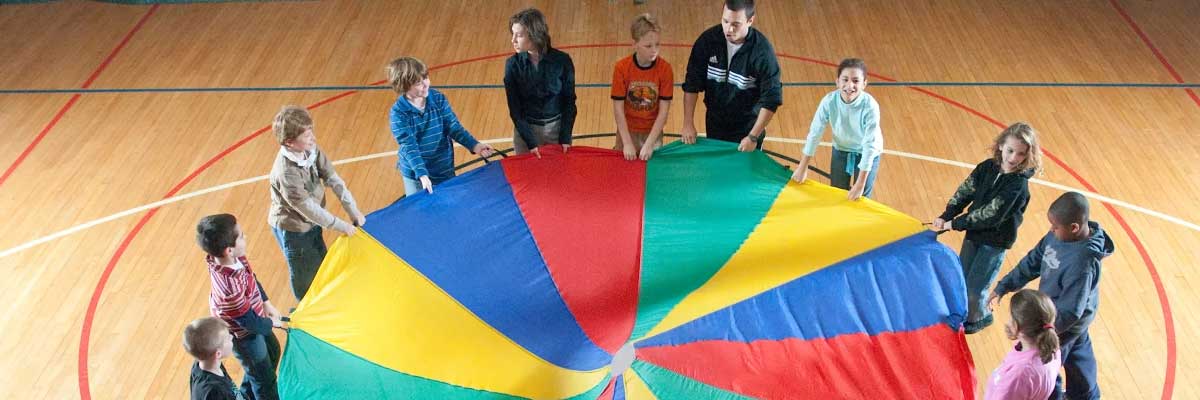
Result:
{"points": [[623, 359]]}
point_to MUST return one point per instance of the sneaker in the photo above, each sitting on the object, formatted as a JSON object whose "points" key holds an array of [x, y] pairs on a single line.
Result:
{"points": [[973, 327]]}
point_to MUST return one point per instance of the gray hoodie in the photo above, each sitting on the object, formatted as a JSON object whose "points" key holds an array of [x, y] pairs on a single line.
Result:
{"points": [[1070, 273]]}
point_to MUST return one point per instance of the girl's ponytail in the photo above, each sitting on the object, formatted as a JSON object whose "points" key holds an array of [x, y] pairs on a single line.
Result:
{"points": [[1034, 314]]}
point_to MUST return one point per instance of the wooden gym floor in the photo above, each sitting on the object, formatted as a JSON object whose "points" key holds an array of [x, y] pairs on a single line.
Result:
{"points": [[106, 109]]}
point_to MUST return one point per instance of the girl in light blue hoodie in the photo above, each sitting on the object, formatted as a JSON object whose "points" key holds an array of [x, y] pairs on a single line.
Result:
{"points": [[857, 139]]}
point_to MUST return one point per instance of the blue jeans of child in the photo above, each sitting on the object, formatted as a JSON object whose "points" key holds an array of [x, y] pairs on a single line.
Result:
{"points": [[981, 264], [839, 177], [1080, 366], [259, 356], [411, 186], [304, 252]]}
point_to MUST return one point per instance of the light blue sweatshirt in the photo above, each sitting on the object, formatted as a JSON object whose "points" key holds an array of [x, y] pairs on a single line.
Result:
{"points": [[855, 127]]}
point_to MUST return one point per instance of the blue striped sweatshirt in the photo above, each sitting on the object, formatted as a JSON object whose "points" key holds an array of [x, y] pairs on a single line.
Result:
{"points": [[425, 137]]}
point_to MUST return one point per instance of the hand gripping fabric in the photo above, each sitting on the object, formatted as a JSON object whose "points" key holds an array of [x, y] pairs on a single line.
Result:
{"points": [[713, 274]]}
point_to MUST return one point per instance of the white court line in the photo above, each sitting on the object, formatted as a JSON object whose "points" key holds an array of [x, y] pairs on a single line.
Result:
{"points": [[1065, 188], [178, 198], [182, 197]]}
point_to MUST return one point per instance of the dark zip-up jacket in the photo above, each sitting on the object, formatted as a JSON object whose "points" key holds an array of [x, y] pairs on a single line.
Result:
{"points": [[734, 90], [997, 201]]}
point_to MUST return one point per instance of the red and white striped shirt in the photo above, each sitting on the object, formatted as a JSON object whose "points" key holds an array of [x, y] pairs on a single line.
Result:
{"points": [[234, 293]]}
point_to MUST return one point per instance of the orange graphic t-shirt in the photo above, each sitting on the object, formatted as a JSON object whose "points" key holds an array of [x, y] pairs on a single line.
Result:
{"points": [[641, 89]]}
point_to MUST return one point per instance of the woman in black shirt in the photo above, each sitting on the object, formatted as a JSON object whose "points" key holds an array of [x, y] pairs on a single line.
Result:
{"points": [[539, 81]]}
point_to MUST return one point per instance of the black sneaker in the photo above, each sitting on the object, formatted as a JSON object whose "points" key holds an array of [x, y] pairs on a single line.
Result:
{"points": [[973, 327]]}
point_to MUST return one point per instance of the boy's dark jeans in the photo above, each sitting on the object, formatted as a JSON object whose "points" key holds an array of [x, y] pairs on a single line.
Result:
{"points": [[1080, 366], [304, 252], [259, 356]]}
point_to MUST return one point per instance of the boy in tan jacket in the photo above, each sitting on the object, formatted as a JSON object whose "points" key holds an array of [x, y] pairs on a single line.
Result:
{"points": [[298, 181]]}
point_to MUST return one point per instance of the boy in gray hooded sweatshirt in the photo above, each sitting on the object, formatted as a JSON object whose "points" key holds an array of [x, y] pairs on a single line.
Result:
{"points": [[1068, 261]]}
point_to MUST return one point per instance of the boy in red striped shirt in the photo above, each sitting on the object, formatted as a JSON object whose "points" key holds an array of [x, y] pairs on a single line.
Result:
{"points": [[238, 298]]}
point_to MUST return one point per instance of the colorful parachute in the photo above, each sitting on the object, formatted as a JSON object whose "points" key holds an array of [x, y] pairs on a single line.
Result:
{"points": [[701, 274]]}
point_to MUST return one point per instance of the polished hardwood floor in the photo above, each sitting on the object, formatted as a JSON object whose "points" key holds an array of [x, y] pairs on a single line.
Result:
{"points": [[97, 313]]}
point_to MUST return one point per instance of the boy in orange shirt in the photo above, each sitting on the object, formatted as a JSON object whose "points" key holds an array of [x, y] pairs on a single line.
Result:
{"points": [[641, 92]]}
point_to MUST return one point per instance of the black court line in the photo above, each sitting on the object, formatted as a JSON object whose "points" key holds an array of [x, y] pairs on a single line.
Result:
{"points": [[596, 85], [504, 153]]}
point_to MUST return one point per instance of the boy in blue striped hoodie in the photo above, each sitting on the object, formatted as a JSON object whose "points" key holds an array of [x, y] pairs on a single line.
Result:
{"points": [[424, 125]]}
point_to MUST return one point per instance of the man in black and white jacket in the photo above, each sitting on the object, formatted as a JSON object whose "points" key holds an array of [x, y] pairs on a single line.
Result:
{"points": [[736, 67]]}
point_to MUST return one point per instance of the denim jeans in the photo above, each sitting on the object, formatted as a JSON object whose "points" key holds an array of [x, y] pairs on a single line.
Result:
{"points": [[259, 356], [304, 252], [839, 178], [981, 264], [411, 186], [1079, 364]]}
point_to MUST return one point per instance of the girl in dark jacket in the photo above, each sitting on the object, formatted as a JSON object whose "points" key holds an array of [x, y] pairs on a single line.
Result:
{"points": [[997, 192]]}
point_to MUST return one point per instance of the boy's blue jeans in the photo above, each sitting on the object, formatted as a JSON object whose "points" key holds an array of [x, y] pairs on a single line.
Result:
{"points": [[304, 252], [1080, 366], [259, 356], [411, 186], [981, 264], [840, 178]]}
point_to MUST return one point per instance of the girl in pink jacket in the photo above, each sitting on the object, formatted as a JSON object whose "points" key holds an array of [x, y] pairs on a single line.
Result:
{"points": [[1028, 371]]}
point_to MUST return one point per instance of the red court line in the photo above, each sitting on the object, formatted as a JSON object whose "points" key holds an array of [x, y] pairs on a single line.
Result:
{"points": [[90, 316], [38, 139], [1154, 49], [1164, 303], [819, 62], [88, 83], [1168, 384], [85, 334]]}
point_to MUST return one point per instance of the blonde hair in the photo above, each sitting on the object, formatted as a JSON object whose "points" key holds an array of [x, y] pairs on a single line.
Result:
{"points": [[202, 337], [1025, 133], [644, 24], [291, 122], [404, 72]]}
